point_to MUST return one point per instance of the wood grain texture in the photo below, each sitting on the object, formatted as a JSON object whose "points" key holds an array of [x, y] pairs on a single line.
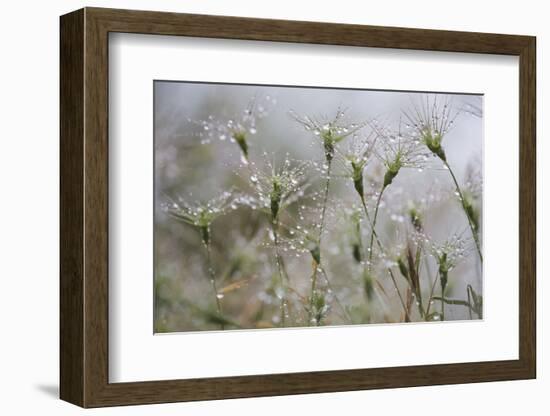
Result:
{"points": [[84, 207], [71, 203], [527, 208]]}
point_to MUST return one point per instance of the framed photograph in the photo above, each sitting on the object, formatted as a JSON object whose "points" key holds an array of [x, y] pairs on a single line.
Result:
{"points": [[257, 207]]}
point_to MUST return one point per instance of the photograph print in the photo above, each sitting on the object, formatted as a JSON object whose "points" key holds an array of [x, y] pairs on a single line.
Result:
{"points": [[293, 207]]}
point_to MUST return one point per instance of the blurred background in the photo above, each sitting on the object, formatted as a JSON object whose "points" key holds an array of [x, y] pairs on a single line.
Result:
{"points": [[196, 161]]}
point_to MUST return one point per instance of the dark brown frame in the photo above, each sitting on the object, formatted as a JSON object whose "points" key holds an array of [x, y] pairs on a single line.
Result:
{"points": [[84, 208]]}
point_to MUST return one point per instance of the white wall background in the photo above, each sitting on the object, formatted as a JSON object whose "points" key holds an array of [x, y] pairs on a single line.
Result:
{"points": [[29, 85]]}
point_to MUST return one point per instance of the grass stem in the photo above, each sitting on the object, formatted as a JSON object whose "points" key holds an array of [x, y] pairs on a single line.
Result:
{"points": [[372, 237], [212, 275], [325, 200], [405, 309], [324, 273], [442, 299], [373, 225], [321, 229], [463, 204], [432, 290], [280, 268]]}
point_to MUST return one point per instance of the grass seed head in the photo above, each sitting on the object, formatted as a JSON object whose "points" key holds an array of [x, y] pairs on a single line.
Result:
{"points": [[239, 128], [397, 151], [368, 285], [201, 214], [448, 254], [355, 158], [416, 219], [279, 185], [240, 138], [471, 193], [431, 118], [319, 307], [331, 131], [403, 268], [315, 251]]}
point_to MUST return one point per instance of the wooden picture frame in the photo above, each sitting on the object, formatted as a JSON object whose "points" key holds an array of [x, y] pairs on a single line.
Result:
{"points": [[84, 207]]}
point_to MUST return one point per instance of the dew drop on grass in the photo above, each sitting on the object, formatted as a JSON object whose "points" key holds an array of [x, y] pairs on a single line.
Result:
{"points": [[220, 295]]}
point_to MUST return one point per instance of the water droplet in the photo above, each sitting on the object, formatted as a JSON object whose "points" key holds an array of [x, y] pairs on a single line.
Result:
{"points": [[220, 295]]}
